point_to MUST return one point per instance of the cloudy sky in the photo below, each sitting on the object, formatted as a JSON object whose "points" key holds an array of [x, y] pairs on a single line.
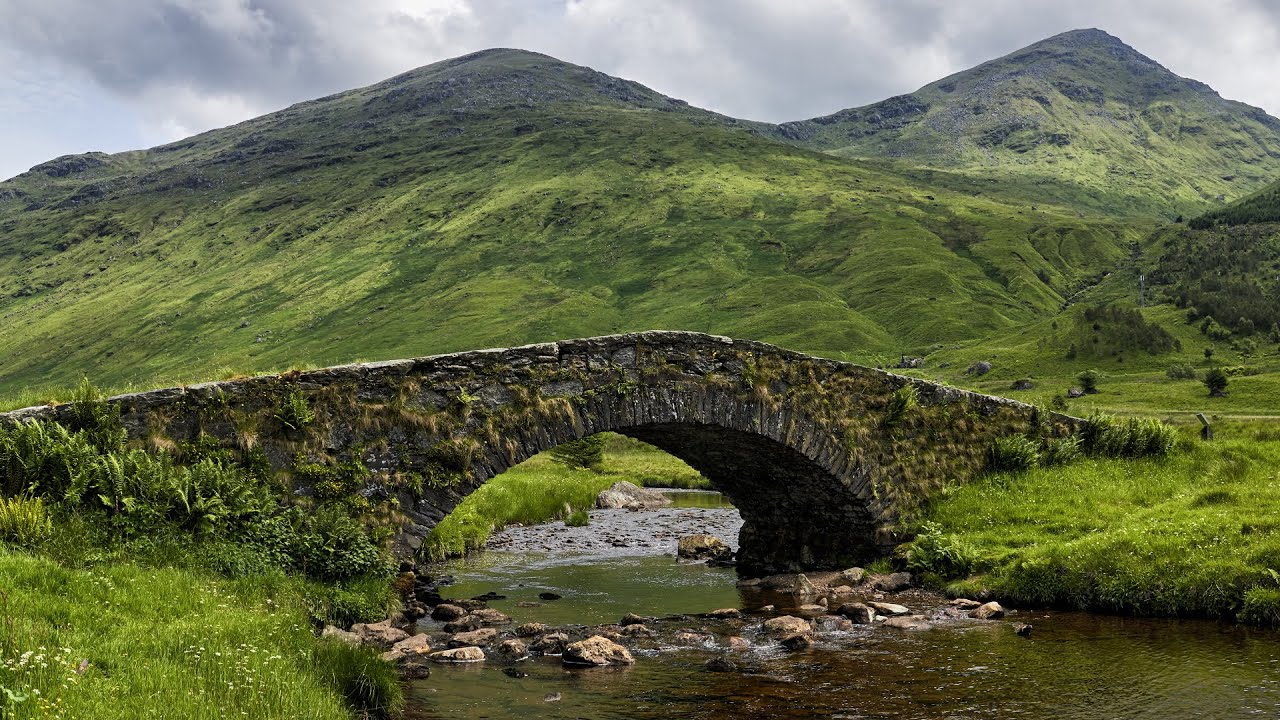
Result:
{"points": [[116, 75]]}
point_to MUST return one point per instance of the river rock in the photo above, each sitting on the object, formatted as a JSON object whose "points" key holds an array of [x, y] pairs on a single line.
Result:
{"points": [[803, 586], [379, 634], [703, 547], [476, 638], [336, 633], [551, 644], [636, 631], [468, 654], [625, 495], [596, 651], [989, 611], [721, 663], [892, 582], [908, 622], [842, 590], [688, 637], [853, 576], [446, 612], [832, 623], [797, 641], [812, 609], [1023, 630], [513, 649], [488, 617], [786, 625], [531, 629], [858, 613], [633, 619], [410, 647], [890, 608], [462, 624], [736, 642], [965, 604], [724, 614]]}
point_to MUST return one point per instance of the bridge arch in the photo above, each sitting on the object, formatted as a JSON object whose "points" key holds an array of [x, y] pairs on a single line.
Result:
{"points": [[826, 461]]}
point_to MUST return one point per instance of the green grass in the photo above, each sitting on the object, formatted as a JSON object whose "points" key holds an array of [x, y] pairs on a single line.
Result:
{"points": [[541, 489], [159, 642], [1194, 534]]}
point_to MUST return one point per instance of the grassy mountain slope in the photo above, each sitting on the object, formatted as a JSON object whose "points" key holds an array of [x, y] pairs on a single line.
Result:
{"points": [[495, 199], [1262, 206], [1081, 118]]}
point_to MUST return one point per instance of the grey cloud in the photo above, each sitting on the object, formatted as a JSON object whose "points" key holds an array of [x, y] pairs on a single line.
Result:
{"points": [[188, 65]]}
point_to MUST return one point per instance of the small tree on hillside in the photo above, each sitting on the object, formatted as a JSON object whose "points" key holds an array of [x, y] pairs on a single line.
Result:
{"points": [[587, 453], [1089, 381], [1216, 381]]}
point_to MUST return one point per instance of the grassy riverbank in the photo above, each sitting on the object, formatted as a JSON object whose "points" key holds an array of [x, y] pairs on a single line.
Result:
{"points": [[541, 489], [1195, 534]]}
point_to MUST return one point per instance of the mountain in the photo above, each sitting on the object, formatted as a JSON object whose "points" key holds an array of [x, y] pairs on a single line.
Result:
{"points": [[500, 198], [1081, 118], [1262, 206]]}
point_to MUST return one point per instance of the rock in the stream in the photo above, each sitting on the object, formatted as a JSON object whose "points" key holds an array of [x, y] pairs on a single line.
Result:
{"points": [[853, 576], [625, 495], [410, 647], [803, 586], [832, 623], [989, 611], [467, 654], [858, 613], [908, 622], [596, 651], [892, 582], [531, 629], [379, 634], [550, 644], [476, 638], [965, 604], [786, 625], [488, 617], [797, 641], [720, 663], [703, 547], [724, 614], [736, 642], [1023, 630], [633, 619], [513, 649], [812, 609], [447, 612], [636, 631], [890, 609]]}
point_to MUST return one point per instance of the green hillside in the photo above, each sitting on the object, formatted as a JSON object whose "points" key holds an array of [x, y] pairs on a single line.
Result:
{"points": [[1080, 118], [1260, 207], [500, 198]]}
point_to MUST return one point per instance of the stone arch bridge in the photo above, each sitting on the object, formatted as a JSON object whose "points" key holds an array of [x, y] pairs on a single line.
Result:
{"points": [[825, 460]]}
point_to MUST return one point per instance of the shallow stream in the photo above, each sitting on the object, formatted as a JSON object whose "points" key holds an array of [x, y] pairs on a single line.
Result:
{"points": [[1071, 666]]}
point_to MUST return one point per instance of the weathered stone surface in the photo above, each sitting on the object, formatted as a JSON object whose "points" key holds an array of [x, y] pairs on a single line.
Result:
{"points": [[858, 613], [447, 612], [379, 634], [488, 617], [530, 629], [890, 609], [811, 609], [736, 642], [988, 611], [478, 638], [797, 641], [832, 623], [770, 427], [636, 631], [336, 633], [703, 547], [623, 495], [908, 622], [513, 649], [853, 576], [964, 603], [596, 651], [892, 582], [414, 646], [725, 613], [786, 625], [550, 644], [468, 654]]}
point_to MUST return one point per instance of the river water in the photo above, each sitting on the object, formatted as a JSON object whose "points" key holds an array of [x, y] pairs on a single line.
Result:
{"points": [[1072, 665]]}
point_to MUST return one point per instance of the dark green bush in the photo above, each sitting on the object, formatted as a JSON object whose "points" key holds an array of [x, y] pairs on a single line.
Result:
{"points": [[935, 553], [333, 546], [577, 518], [587, 453], [1181, 371], [1131, 437], [1216, 381], [1060, 451], [1013, 453]]}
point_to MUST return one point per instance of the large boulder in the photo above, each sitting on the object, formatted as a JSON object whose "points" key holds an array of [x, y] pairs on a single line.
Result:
{"points": [[989, 611], [467, 654], [703, 547], [628, 496], [596, 651], [858, 613], [413, 647], [786, 625], [478, 638], [379, 634], [908, 622]]}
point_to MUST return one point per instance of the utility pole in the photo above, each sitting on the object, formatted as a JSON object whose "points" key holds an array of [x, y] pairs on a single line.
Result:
{"points": [[1142, 290]]}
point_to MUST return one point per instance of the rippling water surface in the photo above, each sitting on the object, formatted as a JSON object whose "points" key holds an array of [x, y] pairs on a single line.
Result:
{"points": [[1073, 665]]}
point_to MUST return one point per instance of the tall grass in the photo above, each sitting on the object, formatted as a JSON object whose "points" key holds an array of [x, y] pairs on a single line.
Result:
{"points": [[1193, 534]]}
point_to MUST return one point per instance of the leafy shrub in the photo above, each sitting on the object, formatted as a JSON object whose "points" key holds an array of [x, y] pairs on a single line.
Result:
{"points": [[577, 518], [333, 546], [939, 554], [1181, 371], [1013, 453], [1060, 451], [1216, 381], [370, 684], [295, 413], [331, 482], [1131, 437], [1089, 381], [586, 453], [24, 521], [902, 401]]}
